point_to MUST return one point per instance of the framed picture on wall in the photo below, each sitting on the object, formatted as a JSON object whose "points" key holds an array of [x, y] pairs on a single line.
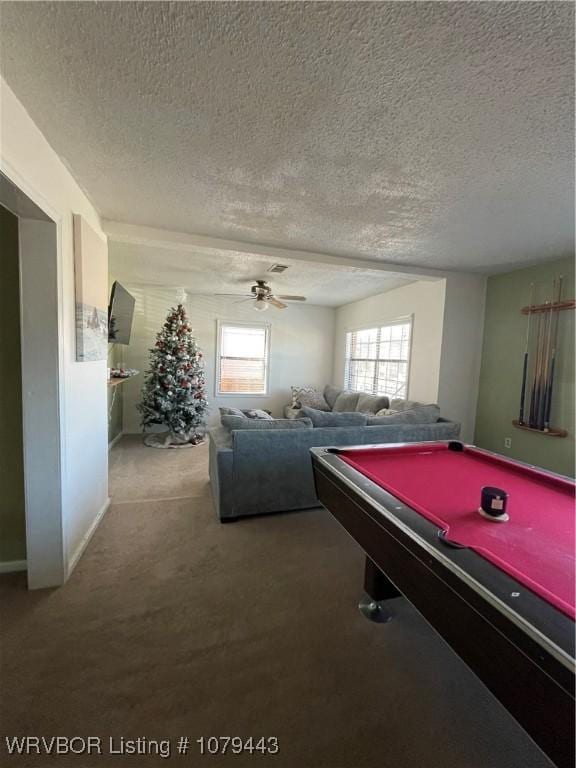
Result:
{"points": [[91, 288]]}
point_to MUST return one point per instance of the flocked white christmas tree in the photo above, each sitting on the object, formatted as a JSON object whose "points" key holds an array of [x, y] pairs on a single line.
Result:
{"points": [[173, 394]]}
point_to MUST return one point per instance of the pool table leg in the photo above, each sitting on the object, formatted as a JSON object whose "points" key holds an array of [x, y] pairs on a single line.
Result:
{"points": [[378, 589]]}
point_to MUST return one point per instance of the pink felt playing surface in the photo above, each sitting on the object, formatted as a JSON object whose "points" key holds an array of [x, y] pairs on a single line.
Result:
{"points": [[536, 546]]}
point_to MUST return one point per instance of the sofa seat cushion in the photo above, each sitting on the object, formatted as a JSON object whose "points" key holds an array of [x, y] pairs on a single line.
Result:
{"points": [[239, 422], [422, 414], [346, 401], [333, 419], [372, 403]]}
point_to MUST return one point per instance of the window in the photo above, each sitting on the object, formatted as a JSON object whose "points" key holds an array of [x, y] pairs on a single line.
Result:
{"points": [[242, 359], [377, 359]]}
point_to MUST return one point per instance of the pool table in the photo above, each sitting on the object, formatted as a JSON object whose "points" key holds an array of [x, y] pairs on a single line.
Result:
{"points": [[501, 594]]}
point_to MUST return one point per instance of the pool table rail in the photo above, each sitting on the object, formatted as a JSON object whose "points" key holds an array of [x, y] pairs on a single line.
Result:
{"points": [[523, 650]]}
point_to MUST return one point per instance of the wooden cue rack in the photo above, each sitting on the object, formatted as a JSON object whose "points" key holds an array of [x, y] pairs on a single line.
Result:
{"points": [[557, 305], [535, 309], [550, 433]]}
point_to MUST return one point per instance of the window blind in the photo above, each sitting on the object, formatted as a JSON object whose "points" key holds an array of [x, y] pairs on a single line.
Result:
{"points": [[377, 359], [243, 359]]}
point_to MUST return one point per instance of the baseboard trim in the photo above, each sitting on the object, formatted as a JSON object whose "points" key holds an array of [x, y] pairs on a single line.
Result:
{"points": [[13, 566], [73, 561], [113, 442]]}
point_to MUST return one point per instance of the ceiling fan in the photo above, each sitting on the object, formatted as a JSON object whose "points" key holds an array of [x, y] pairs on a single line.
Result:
{"points": [[262, 296]]}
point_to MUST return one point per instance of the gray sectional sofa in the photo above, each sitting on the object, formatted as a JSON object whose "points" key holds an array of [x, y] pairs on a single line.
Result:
{"points": [[335, 400], [258, 471]]}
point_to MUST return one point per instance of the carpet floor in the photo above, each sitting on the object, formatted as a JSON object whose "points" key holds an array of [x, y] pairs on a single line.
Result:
{"points": [[175, 625]]}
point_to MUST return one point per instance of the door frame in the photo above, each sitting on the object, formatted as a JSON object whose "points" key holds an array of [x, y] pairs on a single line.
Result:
{"points": [[42, 359]]}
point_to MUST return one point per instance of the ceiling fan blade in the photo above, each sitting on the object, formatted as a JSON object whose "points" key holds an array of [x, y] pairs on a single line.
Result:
{"points": [[245, 295], [293, 298], [276, 303]]}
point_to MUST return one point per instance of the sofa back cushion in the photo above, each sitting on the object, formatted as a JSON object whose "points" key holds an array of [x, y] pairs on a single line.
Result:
{"points": [[240, 422], [328, 419], [346, 401], [422, 414], [372, 403], [331, 393], [404, 405], [409, 433]]}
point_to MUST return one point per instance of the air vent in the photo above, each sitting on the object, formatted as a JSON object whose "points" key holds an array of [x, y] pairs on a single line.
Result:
{"points": [[278, 268]]}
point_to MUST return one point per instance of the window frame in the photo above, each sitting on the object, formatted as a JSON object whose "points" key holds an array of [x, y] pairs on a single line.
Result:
{"points": [[221, 324], [404, 320]]}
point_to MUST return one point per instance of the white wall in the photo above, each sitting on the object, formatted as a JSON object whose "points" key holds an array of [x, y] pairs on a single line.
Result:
{"points": [[29, 161], [447, 340], [302, 340], [462, 349], [44, 534], [424, 300], [308, 343]]}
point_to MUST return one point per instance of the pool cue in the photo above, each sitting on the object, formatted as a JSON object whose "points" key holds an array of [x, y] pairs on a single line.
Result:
{"points": [[525, 364], [537, 389], [548, 404], [534, 396], [542, 378], [546, 358]]}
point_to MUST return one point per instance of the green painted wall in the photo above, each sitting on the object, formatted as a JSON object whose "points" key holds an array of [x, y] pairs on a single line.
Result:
{"points": [[501, 372], [12, 520]]}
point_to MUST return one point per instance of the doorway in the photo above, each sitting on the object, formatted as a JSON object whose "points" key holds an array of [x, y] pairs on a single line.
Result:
{"points": [[32, 518]]}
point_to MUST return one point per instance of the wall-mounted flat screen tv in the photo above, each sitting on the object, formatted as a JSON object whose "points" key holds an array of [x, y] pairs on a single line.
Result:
{"points": [[120, 314]]}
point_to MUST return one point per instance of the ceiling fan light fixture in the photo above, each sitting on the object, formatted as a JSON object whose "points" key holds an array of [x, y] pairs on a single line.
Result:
{"points": [[260, 305]]}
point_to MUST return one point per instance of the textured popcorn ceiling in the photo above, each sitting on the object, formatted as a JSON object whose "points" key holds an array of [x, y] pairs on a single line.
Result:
{"points": [[207, 272], [432, 134]]}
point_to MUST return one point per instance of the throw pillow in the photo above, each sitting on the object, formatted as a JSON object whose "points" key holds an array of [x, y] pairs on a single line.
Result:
{"points": [[346, 401], [331, 419], [292, 413], [238, 422], [256, 413], [313, 400], [385, 412], [309, 396], [423, 414], [245, 413], [372, 403], [224, 411], [296, 391], [331, 393]]}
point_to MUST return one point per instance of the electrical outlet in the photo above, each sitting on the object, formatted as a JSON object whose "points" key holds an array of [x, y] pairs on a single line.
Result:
{"points": [[507, 442]]}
